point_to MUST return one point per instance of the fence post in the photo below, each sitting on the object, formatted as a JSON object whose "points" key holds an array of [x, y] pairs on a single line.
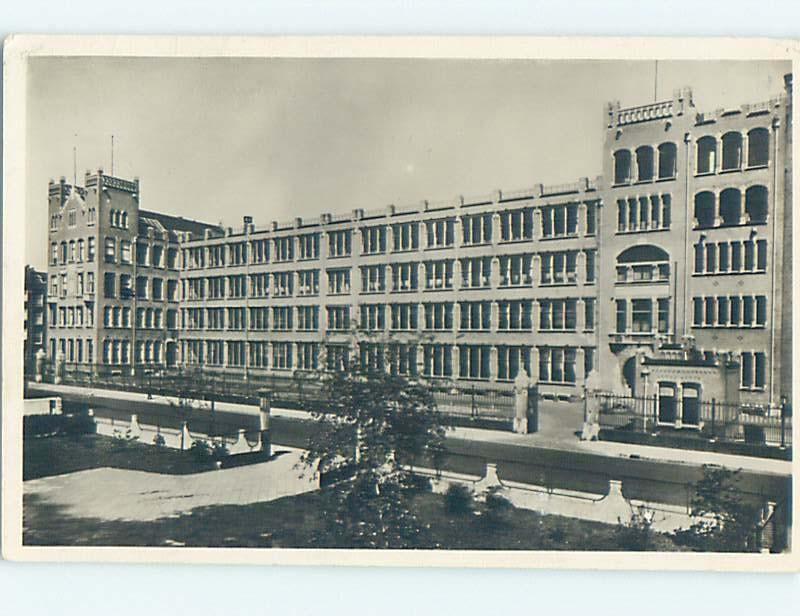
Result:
{"points": [[265, 407], [783, 424], [473, 408], [713, 418]]}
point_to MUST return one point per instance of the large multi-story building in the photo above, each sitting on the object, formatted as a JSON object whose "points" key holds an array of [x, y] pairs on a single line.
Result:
{"points": [[35, 326], [678, 243], [113, 275]]}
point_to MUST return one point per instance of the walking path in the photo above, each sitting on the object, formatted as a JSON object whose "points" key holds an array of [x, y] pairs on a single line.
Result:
{"points": [[557, 431], [120, 494]]}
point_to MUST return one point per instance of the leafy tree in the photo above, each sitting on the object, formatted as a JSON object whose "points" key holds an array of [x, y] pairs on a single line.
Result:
{"points": [[377, 426], [728, 522], [458, 500]]}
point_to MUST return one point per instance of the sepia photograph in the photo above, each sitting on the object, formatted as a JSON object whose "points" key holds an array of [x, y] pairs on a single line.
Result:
{"points": [[334, 303]]}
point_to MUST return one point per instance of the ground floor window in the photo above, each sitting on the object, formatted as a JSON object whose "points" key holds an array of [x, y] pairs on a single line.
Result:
{"points": [[474, 361], [557, 364], [438, 360], [512, 359]]}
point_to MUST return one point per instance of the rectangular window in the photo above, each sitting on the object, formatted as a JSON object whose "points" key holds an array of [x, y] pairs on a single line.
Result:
{"points": [[438, 360], [516, 225], [374, 240], [663, 315], [477, 229], [476, 272], [440, 233], [405, 277], [339, 282], [307, 282], [474, 361], [111, 250], [373, 317], [439, 316], [476, 316], [761, 246], [404, 317], [405, 236], [515, 270], [309, 246], [622, 315], [588, 313], [642, 315], [340, 243], [373, 278], [338, 318], [307, 318], [438, 275], [284, 249], [109, 285]]}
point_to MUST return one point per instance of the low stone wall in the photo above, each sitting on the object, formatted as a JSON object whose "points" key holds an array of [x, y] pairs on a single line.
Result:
{"points": [[173, 438], [41, 406], [610, 508]]}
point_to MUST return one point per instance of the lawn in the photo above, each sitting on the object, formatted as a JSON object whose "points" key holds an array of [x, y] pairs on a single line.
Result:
{"points": [[44, 457]]}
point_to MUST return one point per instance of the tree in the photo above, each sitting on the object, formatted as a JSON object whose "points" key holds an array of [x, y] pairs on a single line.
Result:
{"points": [[727, 521], [375, 426]]}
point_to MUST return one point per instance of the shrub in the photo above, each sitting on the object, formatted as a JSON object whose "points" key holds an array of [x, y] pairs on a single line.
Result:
{"points": [[201, 451], [497, 508], [458, 499], [159, 440], [637, 534]]}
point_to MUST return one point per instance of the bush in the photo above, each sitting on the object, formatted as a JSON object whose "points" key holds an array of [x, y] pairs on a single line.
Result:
{"points": [[201, 451], [497, 508], [636, 535], [458, 500], [159, 440]]}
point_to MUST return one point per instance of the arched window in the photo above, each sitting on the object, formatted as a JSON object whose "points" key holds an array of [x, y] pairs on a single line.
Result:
{"points": [[667, 161], [731, 151], [622, 167], [730, 206], [756, 204], [643, 263], [124, 220], [704, 209], [758, 147], [706, 154], [644, 163]]}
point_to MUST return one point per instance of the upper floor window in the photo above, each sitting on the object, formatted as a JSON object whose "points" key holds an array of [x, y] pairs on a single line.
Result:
{"points": [[374, 240], [340, 243], [731, 151], [440, 233], [260, 251], [439, 274], [404, 277], [405, 236], [622, 167], [515, 270], [72, 217], [730, 207], [373, 278], [559, 220], [558, 267], [477, 229], [756, 204], [645, 263], [706, 154], [309, 246], [758, 147], [476, 272], [111, 250], [284, 248], [704, 209], [644, 163], [338, 281], [667, 161], [516, 225]]}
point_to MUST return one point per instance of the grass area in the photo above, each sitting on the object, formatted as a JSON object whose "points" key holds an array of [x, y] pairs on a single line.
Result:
{"points": [[44, 457], [300, 521]]}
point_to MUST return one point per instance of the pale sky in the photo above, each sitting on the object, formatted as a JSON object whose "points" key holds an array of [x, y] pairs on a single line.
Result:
{"points": [[216, 139]]}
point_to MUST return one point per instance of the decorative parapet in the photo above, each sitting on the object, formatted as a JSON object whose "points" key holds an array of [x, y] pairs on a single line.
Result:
{"points": [[645, 113], [109, 181]]}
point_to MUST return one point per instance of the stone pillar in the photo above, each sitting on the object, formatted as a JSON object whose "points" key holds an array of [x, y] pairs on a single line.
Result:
{"points": [[59, 368], [493, 363], [522, 392], [41, 357], [591, 408], [264, 407]]}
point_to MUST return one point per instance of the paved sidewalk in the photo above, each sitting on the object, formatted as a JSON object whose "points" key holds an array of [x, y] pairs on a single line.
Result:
{"points": [[120, 494], [555, 434]]}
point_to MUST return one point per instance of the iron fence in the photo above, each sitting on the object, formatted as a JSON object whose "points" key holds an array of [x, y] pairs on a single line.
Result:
{"points": [[294, 389], [709, 419]]}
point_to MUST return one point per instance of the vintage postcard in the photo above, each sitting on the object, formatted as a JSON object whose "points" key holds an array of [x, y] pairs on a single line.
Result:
{"points": [[506, 302]]}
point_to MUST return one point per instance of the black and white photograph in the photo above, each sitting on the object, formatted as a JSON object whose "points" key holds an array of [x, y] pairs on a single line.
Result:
{"points": [[334, 303]]}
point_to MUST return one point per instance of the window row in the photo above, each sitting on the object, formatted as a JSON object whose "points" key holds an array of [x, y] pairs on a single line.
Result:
{"points": [[74, 251], [730, 311], [71, 316], [74, 350], [725, 210], [730, 257], [644, 213], [121, 286]]}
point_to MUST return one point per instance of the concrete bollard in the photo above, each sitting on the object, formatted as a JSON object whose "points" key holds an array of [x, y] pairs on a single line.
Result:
{"points": [[265, 407], [41, 358]]}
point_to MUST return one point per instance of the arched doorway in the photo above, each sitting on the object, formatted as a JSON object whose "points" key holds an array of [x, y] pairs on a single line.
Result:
{"points": [[629, 374]]}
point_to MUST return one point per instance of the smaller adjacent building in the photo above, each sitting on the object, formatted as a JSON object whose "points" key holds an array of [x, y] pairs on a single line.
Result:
{"points": [[35, 323]]}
